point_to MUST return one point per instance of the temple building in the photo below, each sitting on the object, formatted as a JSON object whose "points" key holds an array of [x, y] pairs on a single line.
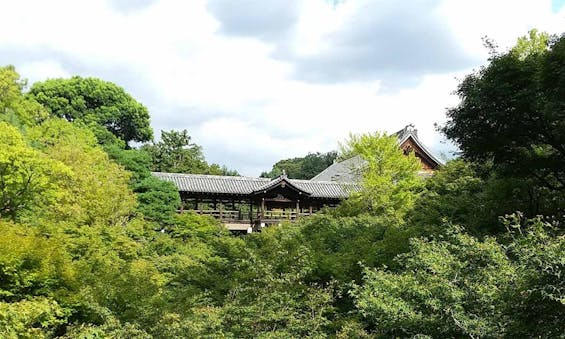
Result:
{"points": [[245, 204]]}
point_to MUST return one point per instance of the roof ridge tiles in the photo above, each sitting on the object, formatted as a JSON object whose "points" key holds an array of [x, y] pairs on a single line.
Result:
{"points": [[209, 176]]}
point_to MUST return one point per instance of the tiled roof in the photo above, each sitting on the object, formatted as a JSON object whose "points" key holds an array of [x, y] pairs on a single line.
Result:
{"points": [[200, 183], [343, 171], [327, 189]]}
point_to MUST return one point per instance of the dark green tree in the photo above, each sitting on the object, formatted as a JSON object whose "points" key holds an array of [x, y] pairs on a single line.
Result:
{"points": [[302, 167], [512, 114], [175, 153], [95, 102]]}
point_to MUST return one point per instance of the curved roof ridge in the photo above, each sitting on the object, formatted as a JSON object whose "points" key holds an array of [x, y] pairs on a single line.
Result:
{"points": [[421, 145], [208, 176], [276, 181]]}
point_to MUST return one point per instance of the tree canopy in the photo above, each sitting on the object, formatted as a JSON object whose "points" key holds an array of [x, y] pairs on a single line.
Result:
{"points": [[175, 153], [94, 101], [512, 112], [390, 178], [302, 168], [91, 245]]}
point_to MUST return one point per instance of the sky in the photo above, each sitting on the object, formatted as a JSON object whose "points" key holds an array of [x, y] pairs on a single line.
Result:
{"points": [[258, 81]]}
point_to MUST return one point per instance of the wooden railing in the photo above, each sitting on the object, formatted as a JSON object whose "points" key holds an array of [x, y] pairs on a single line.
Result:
{"points": [[221, 214], [282, 215], [270, 215]]}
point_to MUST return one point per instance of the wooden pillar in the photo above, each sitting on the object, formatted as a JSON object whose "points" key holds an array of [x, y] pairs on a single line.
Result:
{"points": [[262, 207], [221, 214], [251, 211], [297, 208], [310, 209]]}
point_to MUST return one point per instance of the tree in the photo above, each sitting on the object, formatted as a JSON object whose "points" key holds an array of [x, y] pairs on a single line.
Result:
{"points": [[390, 180], [14, 107], [533, 43], [302, 168], [94, 101], [97, 192], [175, 153], [158, 199], [28, 178], [460, 286], [512, 113]]}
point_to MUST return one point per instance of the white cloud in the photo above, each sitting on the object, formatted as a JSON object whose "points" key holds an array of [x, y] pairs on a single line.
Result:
{"points": [[238, 94]]}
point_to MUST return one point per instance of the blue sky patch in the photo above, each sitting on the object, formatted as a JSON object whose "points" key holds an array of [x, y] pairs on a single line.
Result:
{"points": [[556, 5]]}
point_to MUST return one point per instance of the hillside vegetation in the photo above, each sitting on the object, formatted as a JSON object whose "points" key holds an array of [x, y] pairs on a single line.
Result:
{"points": [[91, 245]]}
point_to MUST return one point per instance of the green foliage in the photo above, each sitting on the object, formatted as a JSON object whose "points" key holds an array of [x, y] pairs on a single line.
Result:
{"points": [[455, 193], [343, 244], [93, 248], [14, 107], [94, 101], [176, 154], [461, 286], [389, 178], [302, 168], [533, 43], [28, 179], [112, 328], [31, 263], [137, 161], [447, 288], [511, 114], [35, 318], [97, 192], [158, 199]]}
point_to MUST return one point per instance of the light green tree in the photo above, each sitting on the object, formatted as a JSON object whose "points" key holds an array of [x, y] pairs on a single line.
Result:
{"points": [[28, 179], [98, 191], [389, 178], [14, 107]]}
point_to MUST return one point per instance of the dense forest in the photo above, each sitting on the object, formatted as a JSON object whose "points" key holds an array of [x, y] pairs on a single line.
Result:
{"points": [[302, 167], [91, 245]]}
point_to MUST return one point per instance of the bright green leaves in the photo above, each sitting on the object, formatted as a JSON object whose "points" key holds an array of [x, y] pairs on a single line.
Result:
{"points": [[389, 178], [533, 43], [31, 263], [98, 190], [31, 319], [28, 179], [14, 108]]}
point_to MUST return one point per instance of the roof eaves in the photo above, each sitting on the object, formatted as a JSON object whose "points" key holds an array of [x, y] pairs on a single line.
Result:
{"points": [[421, 145]]}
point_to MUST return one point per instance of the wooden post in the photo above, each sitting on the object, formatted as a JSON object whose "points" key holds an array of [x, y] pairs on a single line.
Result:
{"points": [[262, 207], [251, 211], [310, 209], [297, 208], [221, 214]]}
